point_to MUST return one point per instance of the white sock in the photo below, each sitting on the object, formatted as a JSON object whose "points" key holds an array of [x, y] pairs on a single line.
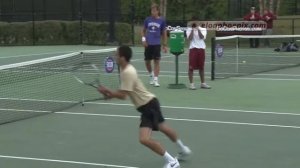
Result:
{"points": [[151, 74], [180, 144], [155, 78], [168, 157]]}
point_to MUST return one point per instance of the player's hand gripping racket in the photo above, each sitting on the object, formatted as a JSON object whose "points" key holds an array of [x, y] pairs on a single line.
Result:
{"points": [[88, 74]]}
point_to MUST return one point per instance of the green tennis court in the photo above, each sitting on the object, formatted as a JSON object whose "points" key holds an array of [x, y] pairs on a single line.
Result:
{"points": [[249, 121]]}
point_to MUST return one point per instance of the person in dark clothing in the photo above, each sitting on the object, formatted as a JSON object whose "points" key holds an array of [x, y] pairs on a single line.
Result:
{"points": [[253, 16]]}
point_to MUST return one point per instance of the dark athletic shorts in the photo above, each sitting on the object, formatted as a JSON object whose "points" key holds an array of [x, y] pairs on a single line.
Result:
{"points": [[196, 59], [152, 52], [151, 115]]}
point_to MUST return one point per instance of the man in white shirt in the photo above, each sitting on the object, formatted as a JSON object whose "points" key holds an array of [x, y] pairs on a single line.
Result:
{"points": [[196, 36]]}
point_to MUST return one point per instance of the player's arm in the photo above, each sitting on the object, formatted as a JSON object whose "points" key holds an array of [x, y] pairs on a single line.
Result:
{"points": [[201, 36], [143, 33], [109, 94], [127, 84], [258, 17], [264, 18], [247, 17], [164, 36], [164, 40], [273, 16], [190, 34]]}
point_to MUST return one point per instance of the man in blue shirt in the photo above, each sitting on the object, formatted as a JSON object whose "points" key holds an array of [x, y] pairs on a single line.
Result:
{"points": [[154, 29]]}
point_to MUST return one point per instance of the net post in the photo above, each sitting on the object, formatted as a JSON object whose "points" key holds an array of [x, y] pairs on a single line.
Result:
{"points": [[82, 89], [237, 55], [213, 57]]}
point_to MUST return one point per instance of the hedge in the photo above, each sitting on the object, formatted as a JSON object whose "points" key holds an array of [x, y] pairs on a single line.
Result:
{"points": [[61, 32], [16, 33]]}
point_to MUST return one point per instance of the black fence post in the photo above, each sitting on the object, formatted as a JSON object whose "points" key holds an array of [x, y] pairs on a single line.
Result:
{"points": [[111, 7], [80, 22], [33, 21], [97, 10], [132, 21], [44, 9], [296, 7], [183, 12], [0, 10]]}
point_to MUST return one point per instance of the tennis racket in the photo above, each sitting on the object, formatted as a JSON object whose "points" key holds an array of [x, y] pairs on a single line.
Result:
{"points": [[87, 74]]}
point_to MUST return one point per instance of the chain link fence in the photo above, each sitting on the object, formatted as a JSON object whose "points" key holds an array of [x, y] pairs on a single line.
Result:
{"points": [[30, 22]]}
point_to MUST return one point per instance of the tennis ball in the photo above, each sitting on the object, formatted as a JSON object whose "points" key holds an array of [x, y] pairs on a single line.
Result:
{"points": [[243, 62]]}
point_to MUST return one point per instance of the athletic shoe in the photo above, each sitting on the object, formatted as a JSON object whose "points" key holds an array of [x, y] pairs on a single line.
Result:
{"points": [[156, 84], [151, 81], [174, 164], [205, 86], [192, 87], [185, 152]]}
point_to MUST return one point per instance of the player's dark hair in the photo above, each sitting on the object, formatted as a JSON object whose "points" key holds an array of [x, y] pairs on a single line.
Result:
{"points": [[126, 52], [154, 5]]}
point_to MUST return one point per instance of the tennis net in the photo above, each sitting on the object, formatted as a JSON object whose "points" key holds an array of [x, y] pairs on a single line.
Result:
{"points": [[44, 86], [233, 56]]}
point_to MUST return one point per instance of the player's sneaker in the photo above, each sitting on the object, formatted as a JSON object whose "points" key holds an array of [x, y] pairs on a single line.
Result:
{"points": [[174, 164], [186, 151], [156, 84], [205, 86], [151, 80], [192, 86]]}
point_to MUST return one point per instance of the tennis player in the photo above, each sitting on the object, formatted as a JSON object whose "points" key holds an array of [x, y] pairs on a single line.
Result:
{"points": [[196, 36], [149, 107], [154, 29]]}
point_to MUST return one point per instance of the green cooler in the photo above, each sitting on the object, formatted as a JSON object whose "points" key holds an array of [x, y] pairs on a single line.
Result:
{"points": [[176, 42]]}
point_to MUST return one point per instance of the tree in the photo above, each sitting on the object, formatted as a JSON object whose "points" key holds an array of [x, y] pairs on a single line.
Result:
{"points": [[261, 6], [163, 8], [271, 7], [277, 7]]}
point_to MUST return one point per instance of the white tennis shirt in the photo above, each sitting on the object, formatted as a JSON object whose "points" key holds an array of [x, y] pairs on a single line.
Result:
{"points": [[196, 42]]}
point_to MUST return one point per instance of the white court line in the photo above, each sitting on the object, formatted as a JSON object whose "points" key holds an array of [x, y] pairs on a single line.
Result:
{"points": [[167, 107], [208, 109], [142, 59], [276, 75], [270, 79], [187, 120], [21, 110], [65, 161], [254, 78], [173, 119], [208, 73]]}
